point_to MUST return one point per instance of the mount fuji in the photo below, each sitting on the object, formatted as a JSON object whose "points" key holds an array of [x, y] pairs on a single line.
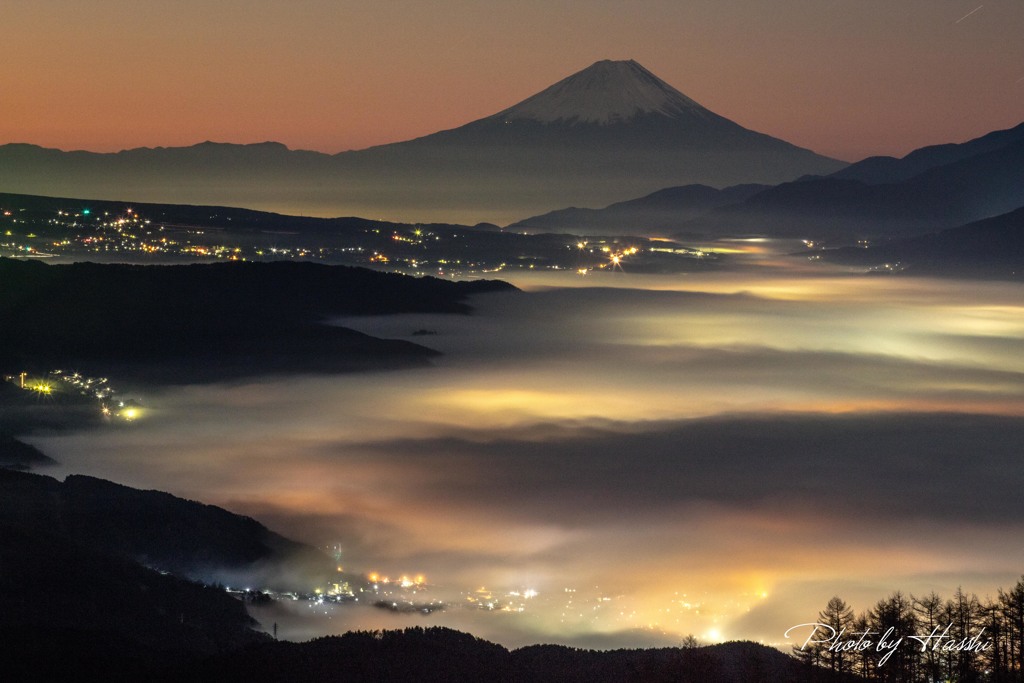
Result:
{"points": [[606, 92], [610, 132]]}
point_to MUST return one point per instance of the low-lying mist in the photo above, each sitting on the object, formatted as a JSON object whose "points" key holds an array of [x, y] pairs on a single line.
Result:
{"points": [[715, 455]]}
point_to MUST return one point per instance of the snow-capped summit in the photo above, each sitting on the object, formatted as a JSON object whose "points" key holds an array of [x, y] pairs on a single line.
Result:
{"points": [[606, 92]]}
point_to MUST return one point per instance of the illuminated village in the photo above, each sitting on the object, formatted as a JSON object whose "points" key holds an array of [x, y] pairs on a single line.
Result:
{"points": [[441, 251], [59, 384]]}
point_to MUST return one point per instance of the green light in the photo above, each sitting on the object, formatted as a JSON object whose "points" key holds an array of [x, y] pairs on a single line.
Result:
{"points": [[86, 212]]}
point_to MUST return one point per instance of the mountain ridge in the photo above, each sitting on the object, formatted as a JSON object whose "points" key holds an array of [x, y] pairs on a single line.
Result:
{"points": [[663, 211], [608, 133], [885, 169], [968, 188]]}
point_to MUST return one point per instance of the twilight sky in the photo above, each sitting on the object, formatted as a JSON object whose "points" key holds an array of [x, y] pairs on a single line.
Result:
{"points": [[847, 78]]}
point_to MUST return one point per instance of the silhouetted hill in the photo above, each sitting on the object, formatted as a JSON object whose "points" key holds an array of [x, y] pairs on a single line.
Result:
{"points": [[440, 654], [885, 170], [76, 605], [49, 582], [424, 655], [967, 190], [661, 212], [209, 321], [16, 455], [68, 612], [989, 248], [153, 528], [745, 662]]}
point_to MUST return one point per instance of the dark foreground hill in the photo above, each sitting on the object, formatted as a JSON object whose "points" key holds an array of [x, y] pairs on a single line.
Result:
{"points": [[70, 613], [76, 604], [442, 655], [89, 590], [153, 528], [209, 321], [15, 455]]}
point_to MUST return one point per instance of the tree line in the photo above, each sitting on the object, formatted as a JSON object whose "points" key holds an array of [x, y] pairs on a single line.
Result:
{"points": [[920, 639]]}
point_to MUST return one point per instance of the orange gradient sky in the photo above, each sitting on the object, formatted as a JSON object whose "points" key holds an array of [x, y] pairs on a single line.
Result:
{"points": [[847, 78]]}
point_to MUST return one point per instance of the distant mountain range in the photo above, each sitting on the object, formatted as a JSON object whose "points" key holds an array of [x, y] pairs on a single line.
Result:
{"points": [[947, 195], [881, 197], [993, 247], [883, 169], [659, 213], [610, 132]]}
